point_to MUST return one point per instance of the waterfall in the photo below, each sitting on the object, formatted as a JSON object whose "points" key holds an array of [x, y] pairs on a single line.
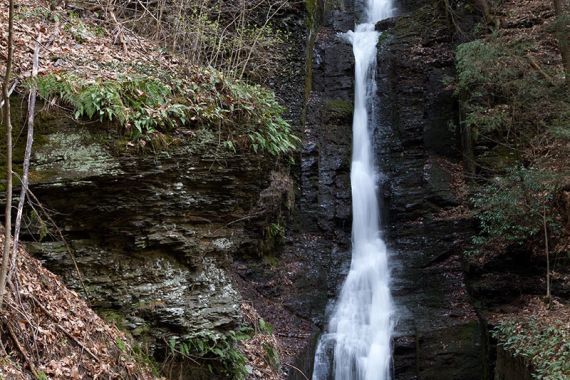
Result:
{"points": [[356, 344]]}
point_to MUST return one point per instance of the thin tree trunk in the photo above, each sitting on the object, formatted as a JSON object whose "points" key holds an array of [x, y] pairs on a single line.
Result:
{"points": [[9, 92], [8, 126], [27, 155], [546, 250], [563, 34]]}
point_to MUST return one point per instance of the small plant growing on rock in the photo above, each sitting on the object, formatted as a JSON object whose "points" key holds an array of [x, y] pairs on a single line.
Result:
{"points": [[546, 346], [218, 350], [249, 116]]}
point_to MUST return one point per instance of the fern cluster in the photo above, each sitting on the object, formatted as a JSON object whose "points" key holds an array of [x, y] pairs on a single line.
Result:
{"points": [[249, 115], [219, 351]]}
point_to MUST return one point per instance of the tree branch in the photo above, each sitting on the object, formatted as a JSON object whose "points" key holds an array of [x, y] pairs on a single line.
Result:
{"points": [[27, 155]]}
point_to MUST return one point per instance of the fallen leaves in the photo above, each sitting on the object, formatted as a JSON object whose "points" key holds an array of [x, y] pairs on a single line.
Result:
{"points": [[65, 339], [81, 45]]}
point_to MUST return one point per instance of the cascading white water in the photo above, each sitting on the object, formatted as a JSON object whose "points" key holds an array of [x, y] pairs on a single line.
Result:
{"points": [[356, 345]]}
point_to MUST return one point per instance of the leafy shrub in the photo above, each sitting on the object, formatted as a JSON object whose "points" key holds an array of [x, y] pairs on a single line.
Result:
{"points": [[217, 348], [511, 208], [503, 96], [546, 347]]}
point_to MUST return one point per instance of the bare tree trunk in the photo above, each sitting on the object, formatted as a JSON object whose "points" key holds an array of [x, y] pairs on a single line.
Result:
{"points": [[563, 34], [27, 156], [8, 126], [546, 250]]}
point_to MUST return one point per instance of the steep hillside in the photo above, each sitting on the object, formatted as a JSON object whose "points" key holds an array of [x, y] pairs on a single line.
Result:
{"points": [[514, 121], [49, 331], [155, 171]]}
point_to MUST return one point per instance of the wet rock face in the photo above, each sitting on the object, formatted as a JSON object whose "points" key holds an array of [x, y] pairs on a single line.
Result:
{"points": [[509, 367], [437, 333], [308, 270], [151, 234]]}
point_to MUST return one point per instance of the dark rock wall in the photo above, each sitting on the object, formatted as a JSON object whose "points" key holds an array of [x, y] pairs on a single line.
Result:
{"points": [[316, 255], [151, 234], [511, 368], [437, 333]]}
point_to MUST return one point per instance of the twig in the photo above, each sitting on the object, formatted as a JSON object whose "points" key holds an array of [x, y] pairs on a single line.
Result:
{"points": [[296, 336], [248, 217], [46, 311], [119, 35], [535, 65], [10, 91], [198, 218], [21, 349], [60, 234], [546, 250], [18, 307], [297, 369], [7, 121], [146, 10], [268, 19], [175, 351], [68, 334], [27, 156]]}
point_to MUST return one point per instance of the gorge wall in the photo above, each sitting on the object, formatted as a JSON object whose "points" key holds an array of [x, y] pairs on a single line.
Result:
{"points": [[438, 335], [173, 243]]}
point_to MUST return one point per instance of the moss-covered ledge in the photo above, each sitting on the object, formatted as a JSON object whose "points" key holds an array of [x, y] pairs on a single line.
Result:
{"points": [[144, 105], [538, 343]]}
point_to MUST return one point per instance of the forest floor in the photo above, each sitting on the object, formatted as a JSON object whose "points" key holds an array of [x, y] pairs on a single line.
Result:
{"points": [[49, 331], [76, 39]]}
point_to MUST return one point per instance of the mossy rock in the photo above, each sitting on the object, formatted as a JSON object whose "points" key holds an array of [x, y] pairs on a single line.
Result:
{"points": [[113, 317], [337, 110], [499, 158]]}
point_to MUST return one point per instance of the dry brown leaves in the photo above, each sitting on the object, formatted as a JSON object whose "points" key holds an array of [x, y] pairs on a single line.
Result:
{"points": [[535, 307], [75, 40], [58, 332], [530, 21], [254, 351]]}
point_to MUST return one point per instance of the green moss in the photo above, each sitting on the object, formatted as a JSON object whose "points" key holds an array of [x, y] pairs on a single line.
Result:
{"points": [[382, 39], [338, 109], [218, 351], [145, 106], [271, 261], [142, 356], [140, 330], [310, 7], [113, 317]]}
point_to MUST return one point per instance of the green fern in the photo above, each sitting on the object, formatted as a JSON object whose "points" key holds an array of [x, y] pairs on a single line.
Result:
{"points": [[144, 105]]}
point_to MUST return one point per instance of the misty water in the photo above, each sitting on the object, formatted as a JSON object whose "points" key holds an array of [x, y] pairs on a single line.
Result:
{"points": [[356, 343]]}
